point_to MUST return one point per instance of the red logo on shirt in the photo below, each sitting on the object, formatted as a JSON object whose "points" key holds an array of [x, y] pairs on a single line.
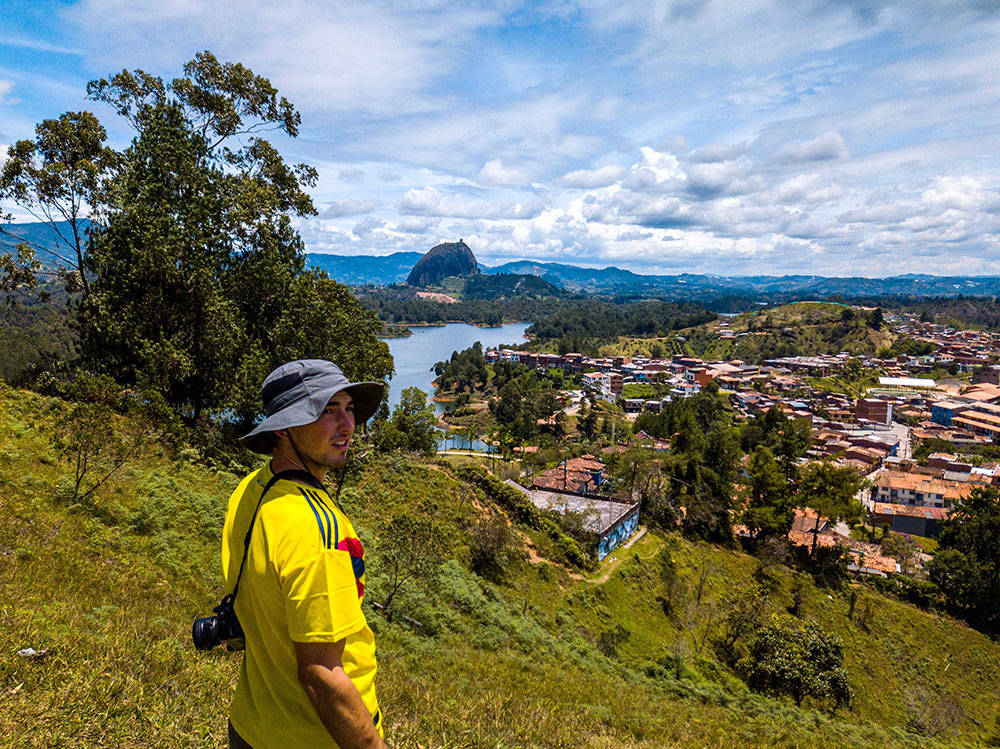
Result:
{"points": [[353, 547]]}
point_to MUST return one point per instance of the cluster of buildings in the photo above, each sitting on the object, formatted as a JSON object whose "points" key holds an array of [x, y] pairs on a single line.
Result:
{"points": [[875, 433]]}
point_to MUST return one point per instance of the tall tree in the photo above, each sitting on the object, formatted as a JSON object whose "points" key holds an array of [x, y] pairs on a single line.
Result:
{"points": [[967, 564], [58, 178], [199, 285], [831, 491], [770, 509]]}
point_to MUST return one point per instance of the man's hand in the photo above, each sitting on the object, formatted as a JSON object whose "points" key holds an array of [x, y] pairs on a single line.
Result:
{"points": [[334, 696]]}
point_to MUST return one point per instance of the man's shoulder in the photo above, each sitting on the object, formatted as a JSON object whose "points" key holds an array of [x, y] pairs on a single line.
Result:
{"points": [[292, 508]]}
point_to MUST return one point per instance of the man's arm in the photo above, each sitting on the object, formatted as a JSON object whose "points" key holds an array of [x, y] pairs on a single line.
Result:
{"points": [[334, 696]]}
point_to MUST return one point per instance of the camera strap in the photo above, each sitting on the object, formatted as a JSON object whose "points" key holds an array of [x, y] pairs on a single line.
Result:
{"points": [[292, 475]]}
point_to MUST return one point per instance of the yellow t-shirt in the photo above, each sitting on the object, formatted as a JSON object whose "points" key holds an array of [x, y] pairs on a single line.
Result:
{"points": [[303, 582]]}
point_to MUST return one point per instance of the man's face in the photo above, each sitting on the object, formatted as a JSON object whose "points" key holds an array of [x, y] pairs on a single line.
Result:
{"points": [[326, 441]]}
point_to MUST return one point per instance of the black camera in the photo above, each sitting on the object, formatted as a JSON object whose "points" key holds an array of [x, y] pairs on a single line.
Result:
{"points": [[223, 628]]}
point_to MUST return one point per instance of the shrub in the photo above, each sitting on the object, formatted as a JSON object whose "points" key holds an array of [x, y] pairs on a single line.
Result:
{"points": [[491, 548]]}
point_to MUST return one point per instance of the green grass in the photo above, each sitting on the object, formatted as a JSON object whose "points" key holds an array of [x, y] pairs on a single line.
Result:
{"points": [[111, 588]]}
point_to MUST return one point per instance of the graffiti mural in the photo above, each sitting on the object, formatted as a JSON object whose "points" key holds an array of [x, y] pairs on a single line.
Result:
{"points": [[618, 534]]}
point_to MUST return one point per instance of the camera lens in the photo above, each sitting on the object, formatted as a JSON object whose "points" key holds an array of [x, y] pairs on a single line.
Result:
{"points": [[205, 633]]}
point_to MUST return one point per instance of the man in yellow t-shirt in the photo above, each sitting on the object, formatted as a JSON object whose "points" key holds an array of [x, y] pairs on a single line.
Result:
{"points": [[308, 674]]}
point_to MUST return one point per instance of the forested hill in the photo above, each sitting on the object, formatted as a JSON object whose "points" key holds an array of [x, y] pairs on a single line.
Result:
{"points": [[360, 270], [48, 241]]}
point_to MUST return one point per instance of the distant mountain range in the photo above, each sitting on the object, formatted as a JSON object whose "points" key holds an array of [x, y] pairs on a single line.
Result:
{"points": [[357, 270], [384, 270], [41, 237], [360, 270]]}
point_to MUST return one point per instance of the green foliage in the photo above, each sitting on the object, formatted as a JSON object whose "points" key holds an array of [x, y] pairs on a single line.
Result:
{"points": [[967, 564], [411, 426], [805, 328], [36, 335], [112, 597], [903, 549], [788, 439], [95, 441], [198, 281], [397, 304], [610, 640], [521, 402], [465, 372], [59, 176], [607, 321], [831, 491], [406, 551], [699, 471], [491, 548], [706, 407], [797, 658], [770, 508]]}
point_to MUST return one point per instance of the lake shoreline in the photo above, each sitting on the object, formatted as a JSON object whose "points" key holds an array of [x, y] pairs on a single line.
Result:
{"points": [[408, 327]]}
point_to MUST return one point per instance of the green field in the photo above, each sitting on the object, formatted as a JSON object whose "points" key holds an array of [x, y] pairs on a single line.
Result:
{"points": [[109, 588]]}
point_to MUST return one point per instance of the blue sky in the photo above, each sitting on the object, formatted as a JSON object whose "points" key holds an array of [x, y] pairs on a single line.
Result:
{"points": [[835, 137]]}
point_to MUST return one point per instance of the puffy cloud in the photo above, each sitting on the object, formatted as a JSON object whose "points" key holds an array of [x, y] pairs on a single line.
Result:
{"points": [[962, 193], [720, 178], [589, 179], [825, 147], [369, 227], [349, 207], [417, 224], [5, 88], [717, 152], [495, 173], [352, 175], [429, 201], [808, 188], [389, 176]]}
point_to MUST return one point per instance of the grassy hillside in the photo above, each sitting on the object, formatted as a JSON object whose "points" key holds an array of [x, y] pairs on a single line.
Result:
{"points": [[110, 587]]}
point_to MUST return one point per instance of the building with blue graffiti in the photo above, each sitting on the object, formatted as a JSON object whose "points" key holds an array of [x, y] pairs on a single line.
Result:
{"points": [[612, 520]]}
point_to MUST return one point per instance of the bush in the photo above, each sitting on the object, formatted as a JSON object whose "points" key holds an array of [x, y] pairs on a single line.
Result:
{"points": [[799, 659], [491, 548]]}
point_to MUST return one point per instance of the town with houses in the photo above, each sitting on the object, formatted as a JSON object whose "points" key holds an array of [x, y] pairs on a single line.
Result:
{"points": [[875, 433]]}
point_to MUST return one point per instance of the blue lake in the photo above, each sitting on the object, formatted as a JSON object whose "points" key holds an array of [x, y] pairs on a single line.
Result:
{"points": [[416, 355]]}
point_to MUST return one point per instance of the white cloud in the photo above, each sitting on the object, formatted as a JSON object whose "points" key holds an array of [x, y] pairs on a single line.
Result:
{"points": [[961, 193], [718, 152], [495, 173], [5, 88], [356, 56], [809, 188], [443, 111], [417, 224], [349, 207], [352, 175], [825, 147], [591, 178], [429, 201]]}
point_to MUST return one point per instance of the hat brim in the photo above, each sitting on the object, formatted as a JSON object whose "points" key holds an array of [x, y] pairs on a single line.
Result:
{"points": [[367, 397]]}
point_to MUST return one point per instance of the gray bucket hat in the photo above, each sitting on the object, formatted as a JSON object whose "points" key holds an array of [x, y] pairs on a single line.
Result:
{"points": [[296, 393]]}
